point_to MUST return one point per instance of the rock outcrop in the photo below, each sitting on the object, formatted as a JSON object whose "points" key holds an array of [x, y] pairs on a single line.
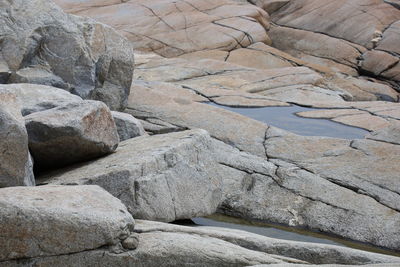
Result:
{"points": [[59, 220], [71, 133], [41, 44], [164, 177], [174, 28], [15, 160]]}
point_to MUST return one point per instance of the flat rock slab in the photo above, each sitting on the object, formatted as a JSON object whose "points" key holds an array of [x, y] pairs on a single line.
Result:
{"points": [[312, 253], [173, 28], [164, 177], [44, 45], [57, 220], [15, 159], [71, 133]]}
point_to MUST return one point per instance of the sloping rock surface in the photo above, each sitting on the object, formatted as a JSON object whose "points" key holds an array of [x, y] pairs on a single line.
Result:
{"points": [[164, 177], [172, 28]]}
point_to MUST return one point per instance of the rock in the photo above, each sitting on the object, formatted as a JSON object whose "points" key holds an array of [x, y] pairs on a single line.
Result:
{"points": [[59, 220], [181, 111], [127, 125], [165, 177], [315, 190], [338, 54], [174, 28], [132, 242], [35, 98], [377, 62], [309, 252], [71, 133], [44, 45], [270, 5], [15, 161], [390, 134]]}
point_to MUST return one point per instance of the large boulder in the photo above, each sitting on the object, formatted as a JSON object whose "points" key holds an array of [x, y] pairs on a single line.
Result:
{"points": [[35, 98], [15, 160], [164, 177], [46, 46], [71, 133], [59, 220]]}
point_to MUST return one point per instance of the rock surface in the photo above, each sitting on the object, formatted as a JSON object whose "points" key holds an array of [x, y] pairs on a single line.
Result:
{"points": [[57, 220], [35, 98], [164, 177], [127, 126], [15, 159], [71, 133], [173, 28], [46, 46]]}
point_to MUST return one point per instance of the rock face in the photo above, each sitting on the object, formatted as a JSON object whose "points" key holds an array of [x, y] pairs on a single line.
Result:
{"points": [[44, 45], [164, 177], [56, 220], [71, 133], [127, 126], [15, 160], [179, 27], [339, 38]]}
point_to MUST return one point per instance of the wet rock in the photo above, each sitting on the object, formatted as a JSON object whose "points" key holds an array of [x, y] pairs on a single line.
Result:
{"points": [[164, 177], [44, 45], [15, 159], [71, 133], [127, 125], [58, 220]]}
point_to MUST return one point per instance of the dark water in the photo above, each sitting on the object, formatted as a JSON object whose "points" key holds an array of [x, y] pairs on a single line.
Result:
{"points": [[285, 118], [284, 232]]}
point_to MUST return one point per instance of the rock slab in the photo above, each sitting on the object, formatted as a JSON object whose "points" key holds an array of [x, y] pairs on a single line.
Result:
{"points": [[55, 220]]}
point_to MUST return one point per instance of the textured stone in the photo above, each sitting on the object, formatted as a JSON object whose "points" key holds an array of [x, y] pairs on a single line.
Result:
{"points": [[71, 133], [165, 177], [127, 125], [54, 220], [34, 97], [44, 45], [15, 160], [174, 28]]}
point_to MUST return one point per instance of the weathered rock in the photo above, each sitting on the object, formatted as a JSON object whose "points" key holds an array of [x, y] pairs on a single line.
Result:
{"points": [[57, 220], [390, 134], [308, 182], [164, 249], [127, 125], [44, 45], [34, 98], [175, 28], [179, 110], [310, 252], [15, 160], [71, 133], [164, 177]]}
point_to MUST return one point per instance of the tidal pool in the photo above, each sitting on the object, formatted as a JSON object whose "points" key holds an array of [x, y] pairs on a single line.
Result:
{"points": [[284, 232], [285, 118]]}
